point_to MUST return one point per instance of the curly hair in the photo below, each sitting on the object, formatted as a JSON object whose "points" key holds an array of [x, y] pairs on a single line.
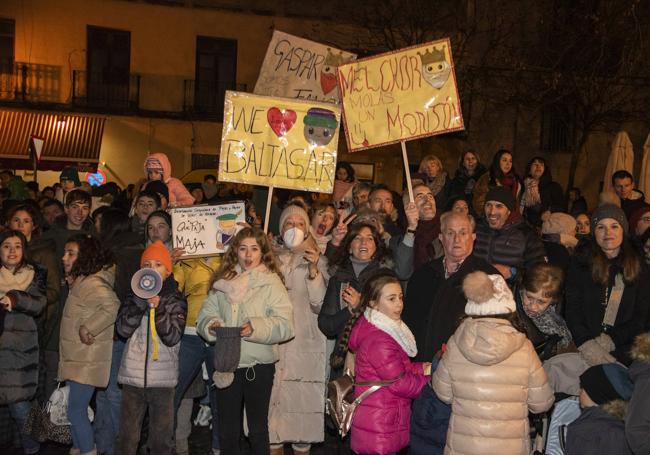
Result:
{"points": [[230, 259], [92, 257], [32, 211], [342, 254], [323, 206], [371, 293], [4, 235]]}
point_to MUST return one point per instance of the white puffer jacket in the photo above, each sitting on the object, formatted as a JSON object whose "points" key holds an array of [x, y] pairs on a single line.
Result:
{"points": [[491, 376]]}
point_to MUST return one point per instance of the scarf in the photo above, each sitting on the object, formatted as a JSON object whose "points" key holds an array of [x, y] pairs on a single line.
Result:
{"points": [[511, 182], [550, 323], [235, 288], [18, 281], [531, 196], [397, 330], [423, 249], [437, 183]]}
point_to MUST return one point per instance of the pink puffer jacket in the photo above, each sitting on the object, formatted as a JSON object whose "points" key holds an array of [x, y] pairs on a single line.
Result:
{"points": [[178, 194], [381, 422]]}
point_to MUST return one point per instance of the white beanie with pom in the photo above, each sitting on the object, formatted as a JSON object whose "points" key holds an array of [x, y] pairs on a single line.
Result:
{"points": [[487, 295]]}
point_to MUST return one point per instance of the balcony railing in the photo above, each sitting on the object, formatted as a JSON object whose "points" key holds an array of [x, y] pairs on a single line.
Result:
{"points": [[205, 100], [30, 83], [104, 90]]}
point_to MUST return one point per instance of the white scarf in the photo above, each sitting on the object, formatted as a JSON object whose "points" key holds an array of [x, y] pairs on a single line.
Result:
{"points": [[397, 330], [235, 288], [19, 281]]}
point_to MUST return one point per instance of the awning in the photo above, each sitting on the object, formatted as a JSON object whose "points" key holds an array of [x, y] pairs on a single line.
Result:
{"points": [[70, 140]]}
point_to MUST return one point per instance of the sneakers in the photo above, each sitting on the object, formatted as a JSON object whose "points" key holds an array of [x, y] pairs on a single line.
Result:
{"points": [[203, 417]]}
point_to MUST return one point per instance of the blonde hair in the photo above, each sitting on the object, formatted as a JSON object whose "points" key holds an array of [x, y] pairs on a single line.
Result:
{"points": [[546, 278], [426, 160], [230, 259]]}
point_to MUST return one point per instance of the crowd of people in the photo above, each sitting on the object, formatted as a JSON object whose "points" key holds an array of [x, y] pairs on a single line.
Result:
{"points": [[492, 300]]}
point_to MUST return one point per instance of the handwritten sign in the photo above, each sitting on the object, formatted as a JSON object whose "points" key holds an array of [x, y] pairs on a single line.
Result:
{"points": [[206, 230], [298, 68], [279, 142], [401, 95]]}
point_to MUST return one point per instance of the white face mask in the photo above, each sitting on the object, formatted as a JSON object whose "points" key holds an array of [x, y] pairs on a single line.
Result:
{"points": [[293, 237]]}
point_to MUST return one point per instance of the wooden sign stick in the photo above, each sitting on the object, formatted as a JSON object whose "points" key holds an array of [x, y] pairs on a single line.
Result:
{"points": [[407, 170], [269, 199]]}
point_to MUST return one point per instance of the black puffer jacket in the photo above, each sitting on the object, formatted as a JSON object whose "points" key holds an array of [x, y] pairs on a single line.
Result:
{"points": [[434, 305], [42, 251], [514, 245], [599, 429], [585, 307], [637, 421], [19, 341]]}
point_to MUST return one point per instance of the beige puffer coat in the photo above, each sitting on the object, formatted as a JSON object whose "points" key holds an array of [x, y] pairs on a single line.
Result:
{"points": [[492, 377]]}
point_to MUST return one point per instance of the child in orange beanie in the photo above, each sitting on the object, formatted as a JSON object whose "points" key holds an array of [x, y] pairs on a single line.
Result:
{"points": [[149, 369]]}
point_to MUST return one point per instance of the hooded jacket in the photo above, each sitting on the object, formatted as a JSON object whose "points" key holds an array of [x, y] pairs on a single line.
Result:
{"points": [[633, 203], [637, 422], [381, 422], [19, 341], [599, 429], [91, 302], [492, 377], [178, 194]]}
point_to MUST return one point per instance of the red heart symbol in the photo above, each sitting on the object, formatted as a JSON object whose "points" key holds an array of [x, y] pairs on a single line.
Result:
{"points": [[281, 121], [327, 81]]}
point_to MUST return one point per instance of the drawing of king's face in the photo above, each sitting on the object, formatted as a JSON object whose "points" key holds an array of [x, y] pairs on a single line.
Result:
{"points": [[435, 68]]}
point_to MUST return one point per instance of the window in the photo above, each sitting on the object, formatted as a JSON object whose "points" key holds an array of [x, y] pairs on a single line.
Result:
{"points": [[7, 36], [108, 67], [556, 129], [216, 72]]}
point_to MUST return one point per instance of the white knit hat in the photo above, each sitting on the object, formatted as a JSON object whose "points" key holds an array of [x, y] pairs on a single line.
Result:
{"points": [[293, 209], [487, 295], [558, 223]]}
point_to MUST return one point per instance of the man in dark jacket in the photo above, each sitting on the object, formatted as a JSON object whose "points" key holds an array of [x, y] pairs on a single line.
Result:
{"points": [[76, 220], [503, 239], [631, 198], [435, 302], [637, 421], [600, 428]]}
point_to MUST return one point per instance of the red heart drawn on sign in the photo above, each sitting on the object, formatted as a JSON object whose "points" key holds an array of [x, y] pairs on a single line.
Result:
{"points": [[327, 82], [281, 121]]}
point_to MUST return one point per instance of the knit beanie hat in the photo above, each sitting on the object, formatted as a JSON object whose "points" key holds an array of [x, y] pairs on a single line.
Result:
{"points": [[291, 210], [636, 217], [501, 194], [157, 251], [607, 382], [609, 211], [158, 187], [558, 223], [487, 295], [70, 173], [227, 351]]}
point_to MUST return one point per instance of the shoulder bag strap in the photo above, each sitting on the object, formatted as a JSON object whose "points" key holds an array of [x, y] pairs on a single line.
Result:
{"points": [[614, 302]]}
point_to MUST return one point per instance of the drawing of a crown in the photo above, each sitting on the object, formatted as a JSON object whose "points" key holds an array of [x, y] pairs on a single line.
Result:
{"points": [[335, 59], [436, 56]]}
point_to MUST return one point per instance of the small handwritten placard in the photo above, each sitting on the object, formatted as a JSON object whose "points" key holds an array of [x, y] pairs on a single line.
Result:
{"points": [[206, 230]]}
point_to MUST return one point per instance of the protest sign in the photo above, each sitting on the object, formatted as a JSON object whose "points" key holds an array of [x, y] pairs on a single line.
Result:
{"points": [[278, 142], [298, 68], [397, 96], [206, 230]]}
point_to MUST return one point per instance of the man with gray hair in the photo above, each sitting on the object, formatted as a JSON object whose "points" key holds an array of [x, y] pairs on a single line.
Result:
{"points": [[434, 301]]}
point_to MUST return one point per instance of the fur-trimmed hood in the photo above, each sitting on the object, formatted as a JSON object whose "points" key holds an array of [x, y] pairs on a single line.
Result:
{"points": [[641, 348], [616, 409]]}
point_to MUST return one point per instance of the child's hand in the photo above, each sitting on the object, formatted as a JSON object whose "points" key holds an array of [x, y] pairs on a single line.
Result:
{"points": [[246, 330], [213, 325], [176, 254], [426, 368], [154, 301], [6, 303]]}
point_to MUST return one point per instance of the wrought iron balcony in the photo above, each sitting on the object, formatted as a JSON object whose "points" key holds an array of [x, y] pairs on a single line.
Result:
{"points": [[205, 100], [107, 91]]}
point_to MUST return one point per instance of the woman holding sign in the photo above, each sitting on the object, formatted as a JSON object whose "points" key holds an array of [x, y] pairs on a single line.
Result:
{"points": [[297, 400], [247, 294]]}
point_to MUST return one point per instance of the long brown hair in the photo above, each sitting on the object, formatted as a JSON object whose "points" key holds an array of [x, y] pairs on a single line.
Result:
{"points": [[230, 260], [371, 293], [629, 260]]}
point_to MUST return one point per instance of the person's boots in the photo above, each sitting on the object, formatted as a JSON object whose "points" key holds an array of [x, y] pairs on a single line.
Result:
{"points": [[277, 451]]}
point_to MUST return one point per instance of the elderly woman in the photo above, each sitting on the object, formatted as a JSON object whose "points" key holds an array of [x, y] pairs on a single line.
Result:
{"points": [[433, 176], [297, 405], [607, 291]]}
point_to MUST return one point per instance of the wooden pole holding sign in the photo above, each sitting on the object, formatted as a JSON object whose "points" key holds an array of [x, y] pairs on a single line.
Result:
{"points": [[407, 170], [267, 215]]}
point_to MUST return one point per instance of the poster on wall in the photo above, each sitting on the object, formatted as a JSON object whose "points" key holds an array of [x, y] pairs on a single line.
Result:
{"points": [[206, 230], [397, 96], [279, 142], [295, 67]]}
